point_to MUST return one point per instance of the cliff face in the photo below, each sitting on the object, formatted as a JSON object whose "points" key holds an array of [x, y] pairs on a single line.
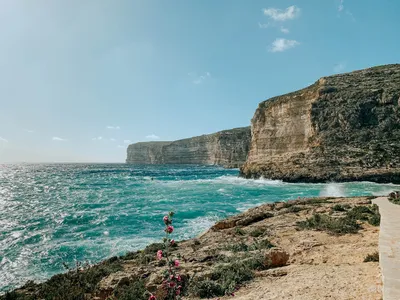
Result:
{"points": [[226, 148], [342, 128]]}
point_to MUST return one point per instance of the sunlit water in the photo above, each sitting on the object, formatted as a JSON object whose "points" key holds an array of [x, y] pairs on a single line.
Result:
{"points": [[58, 213]]}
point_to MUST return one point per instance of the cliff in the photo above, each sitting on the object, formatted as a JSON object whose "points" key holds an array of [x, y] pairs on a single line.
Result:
{"points": [[226, 148], [342, 128]]}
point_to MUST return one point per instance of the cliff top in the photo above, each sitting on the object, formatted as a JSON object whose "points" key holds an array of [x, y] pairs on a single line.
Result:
{"points": [[356, 75], [222, 132]]}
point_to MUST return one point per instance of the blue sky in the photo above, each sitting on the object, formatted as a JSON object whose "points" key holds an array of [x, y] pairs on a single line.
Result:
{"points": [[80, 80]]}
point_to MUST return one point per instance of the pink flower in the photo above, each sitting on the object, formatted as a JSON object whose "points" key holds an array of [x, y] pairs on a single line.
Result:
{"points": [[172, 284], [172, 242], [159, 254], [178, 277], [178, 292], [169, 229], [176, 263], [166, 219], [152, 297]]}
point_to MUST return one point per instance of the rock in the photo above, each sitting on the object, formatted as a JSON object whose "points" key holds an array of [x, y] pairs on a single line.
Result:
{"points": [[344, 127], [253, 218], [228, 148], [276, 257]]}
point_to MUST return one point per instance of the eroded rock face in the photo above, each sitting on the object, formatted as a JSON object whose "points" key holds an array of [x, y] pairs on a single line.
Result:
{"points": [[342, 128], [227, 148]]}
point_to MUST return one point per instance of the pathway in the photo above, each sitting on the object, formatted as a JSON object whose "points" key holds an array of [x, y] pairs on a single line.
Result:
{"points": [[389, 247]]}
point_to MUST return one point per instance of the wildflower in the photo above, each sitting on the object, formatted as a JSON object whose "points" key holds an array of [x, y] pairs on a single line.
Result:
{"points": [[178, 277], [172, 242], [176, 262], [178, 292], [170, 229], [159, 254], [166, 219], [152, 297], [172, 284]]}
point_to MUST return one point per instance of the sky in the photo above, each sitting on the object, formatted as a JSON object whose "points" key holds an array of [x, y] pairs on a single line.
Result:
{"points": [[81, 80]]}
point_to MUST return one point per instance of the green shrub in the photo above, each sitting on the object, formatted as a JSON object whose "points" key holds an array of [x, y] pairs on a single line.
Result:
{"points": [[364, 213], [134, 291], [206, 289], [338, 207], [332, 225], [237, 247], [239, 231], [372, 257], [257, 232]]}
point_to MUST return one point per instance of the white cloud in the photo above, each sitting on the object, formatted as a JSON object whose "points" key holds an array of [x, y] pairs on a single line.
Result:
{"points": [[113, 127], [280, 45], [127, 141], [120, 146], [29, 131], [339, 67], [3, 140], [263, 26], [284, 30], [341, 6], [112, 140], [99, 138], [56, 138], [201, 78], [152, 137], [282, 15]]}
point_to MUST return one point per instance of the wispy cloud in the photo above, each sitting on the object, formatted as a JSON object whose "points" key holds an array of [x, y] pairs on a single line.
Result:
{"points": [[56, 138], [263, 26], [199, 79], [342, 9], [113, 127], [152, 137], [127, 141], [112, 140], [280, 45], [3, 140], [340, 67], [120, 146], [282, 15], [99, 138], [284, 30], [29, 131]]}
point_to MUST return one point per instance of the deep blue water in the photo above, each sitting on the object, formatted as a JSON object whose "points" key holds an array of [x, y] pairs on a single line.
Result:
{"points": [[55, 213]]}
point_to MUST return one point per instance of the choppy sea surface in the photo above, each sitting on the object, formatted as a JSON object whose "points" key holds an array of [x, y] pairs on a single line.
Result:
{"points": [[52, 214]]}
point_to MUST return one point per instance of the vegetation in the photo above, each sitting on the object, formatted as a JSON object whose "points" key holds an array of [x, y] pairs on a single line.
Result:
{"points": [[345, 224], [243, 247], [372, 257]]}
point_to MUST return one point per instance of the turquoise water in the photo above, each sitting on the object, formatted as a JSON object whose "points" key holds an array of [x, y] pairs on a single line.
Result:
{"points": [[58, 213]]}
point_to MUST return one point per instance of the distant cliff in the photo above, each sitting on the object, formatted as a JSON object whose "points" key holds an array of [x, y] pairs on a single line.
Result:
{"points": [[226, 148], [342, 128]]}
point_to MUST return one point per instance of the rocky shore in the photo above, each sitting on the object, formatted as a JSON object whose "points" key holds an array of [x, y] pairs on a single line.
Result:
{"points": [[315, 248]]}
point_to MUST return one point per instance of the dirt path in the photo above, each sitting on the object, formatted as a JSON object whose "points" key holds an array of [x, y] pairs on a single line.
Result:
{"points": [[389, 247]]}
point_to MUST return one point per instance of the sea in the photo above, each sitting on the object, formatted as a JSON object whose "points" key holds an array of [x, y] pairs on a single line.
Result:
{"points": [[56, 214]]}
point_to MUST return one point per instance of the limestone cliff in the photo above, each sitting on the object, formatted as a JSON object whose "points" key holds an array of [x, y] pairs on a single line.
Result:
{"points": [[226, 148], [342, 128]]}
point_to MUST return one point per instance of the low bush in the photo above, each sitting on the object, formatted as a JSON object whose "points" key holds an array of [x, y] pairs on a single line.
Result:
{"points": [[134, 291], [257, 232], [372, 257], [332, 225]]}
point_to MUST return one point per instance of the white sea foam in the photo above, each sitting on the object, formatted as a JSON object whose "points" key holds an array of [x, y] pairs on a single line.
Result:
{"points": [[333, 190]]}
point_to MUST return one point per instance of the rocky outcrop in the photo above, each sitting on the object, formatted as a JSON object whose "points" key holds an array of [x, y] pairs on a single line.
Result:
{"points": [[342, 128], [226, 148]]}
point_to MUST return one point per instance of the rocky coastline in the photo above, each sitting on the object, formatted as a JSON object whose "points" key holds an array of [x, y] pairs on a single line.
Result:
{"points": [[342, 128], [312, 248], [227, 148]]}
